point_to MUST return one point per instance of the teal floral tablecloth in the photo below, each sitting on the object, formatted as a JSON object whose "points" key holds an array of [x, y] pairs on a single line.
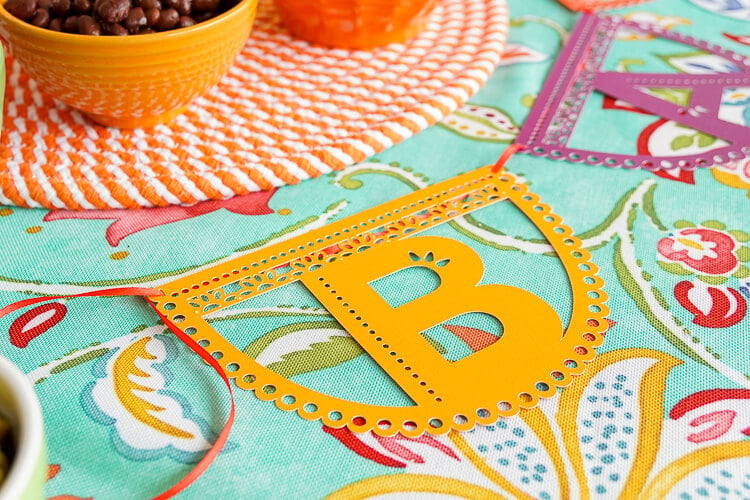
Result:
{"points": [[664, 410]]}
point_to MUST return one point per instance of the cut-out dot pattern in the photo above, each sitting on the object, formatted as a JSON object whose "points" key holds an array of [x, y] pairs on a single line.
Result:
{"points": [[364, 225], [335, 416], [272, 270], [551, 141]]}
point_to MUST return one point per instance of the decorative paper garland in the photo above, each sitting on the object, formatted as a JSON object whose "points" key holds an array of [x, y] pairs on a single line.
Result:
{"points": [[320, 255]]}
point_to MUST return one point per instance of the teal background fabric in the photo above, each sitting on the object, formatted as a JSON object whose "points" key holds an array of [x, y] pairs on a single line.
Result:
{"points": [[671, 381]]}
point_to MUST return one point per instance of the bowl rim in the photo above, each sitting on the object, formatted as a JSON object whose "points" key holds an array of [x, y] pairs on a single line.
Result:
{"points": [[118, 41], [30, 430]]}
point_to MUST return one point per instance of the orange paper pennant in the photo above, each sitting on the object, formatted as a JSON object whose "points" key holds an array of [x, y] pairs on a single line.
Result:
{"points": [[339, 263]]}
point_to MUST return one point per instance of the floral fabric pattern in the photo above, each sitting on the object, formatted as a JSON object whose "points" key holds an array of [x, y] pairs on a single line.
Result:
{"points": [[705, 251], [663, 411]]}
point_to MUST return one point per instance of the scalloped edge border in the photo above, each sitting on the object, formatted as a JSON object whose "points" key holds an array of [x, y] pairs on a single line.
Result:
{"points": [[583, 335], [652, 163]]}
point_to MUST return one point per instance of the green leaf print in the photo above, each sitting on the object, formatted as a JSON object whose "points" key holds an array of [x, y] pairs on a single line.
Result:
{"points": [[674, 268], [681, 142], [306, 357], [639, 296], [482, 123], [705, 140], [713, 280], [320, 355], [689, 140], [673, 95]]}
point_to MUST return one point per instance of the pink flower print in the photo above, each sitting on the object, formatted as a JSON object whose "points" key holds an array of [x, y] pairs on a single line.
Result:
{"points": [[721, 420], [714, 414], [127, 222], [707, 251], [365, 446]]}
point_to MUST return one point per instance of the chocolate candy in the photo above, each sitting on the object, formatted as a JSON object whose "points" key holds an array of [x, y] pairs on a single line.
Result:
{"points": [[136, 20], [22, 9], [205, 5], [185, 21], [114, 29], [116, 17], [204, 16], [152, 17], [60, 7], [148, 4], [82, 7], [167, 20], [184, 7], [70, 25], [41, 18], [88, 26], [112, 11]]}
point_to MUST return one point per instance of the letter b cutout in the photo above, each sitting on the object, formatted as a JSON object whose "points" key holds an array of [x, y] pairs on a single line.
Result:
{"points": [[531, 333]]}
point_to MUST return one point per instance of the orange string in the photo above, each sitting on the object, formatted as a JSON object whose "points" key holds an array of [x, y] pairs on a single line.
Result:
{"points": [[109, 292], [509, 151], [218, 445]]}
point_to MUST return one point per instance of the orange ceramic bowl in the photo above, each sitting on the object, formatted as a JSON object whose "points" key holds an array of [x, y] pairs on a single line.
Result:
{"points": [[130, 81], [355, 24]]}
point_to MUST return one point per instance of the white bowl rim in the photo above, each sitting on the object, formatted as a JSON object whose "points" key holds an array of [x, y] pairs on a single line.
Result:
{"points": [[30, 431]]}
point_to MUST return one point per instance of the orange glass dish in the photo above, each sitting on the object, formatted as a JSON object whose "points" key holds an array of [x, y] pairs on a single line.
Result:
{"points": [[355, 24], [130, 81]]}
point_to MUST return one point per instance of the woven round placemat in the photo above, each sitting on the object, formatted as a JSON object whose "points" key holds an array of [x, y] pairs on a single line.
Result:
{"points": [[287, 111]]}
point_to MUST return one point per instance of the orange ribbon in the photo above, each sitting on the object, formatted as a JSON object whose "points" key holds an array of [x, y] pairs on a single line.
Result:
{"points": [[509, 151], [218, 445]]}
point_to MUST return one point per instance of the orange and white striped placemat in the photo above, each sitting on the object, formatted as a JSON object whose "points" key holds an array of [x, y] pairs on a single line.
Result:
{"points": [[287, 111]]}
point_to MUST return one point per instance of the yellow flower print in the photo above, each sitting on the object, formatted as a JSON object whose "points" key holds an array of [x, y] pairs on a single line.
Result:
{"points": [[605, 436], [666, 22], [735, 174]]}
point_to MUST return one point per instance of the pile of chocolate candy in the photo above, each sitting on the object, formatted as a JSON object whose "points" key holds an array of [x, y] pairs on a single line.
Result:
{"points": [[116, 17]]}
